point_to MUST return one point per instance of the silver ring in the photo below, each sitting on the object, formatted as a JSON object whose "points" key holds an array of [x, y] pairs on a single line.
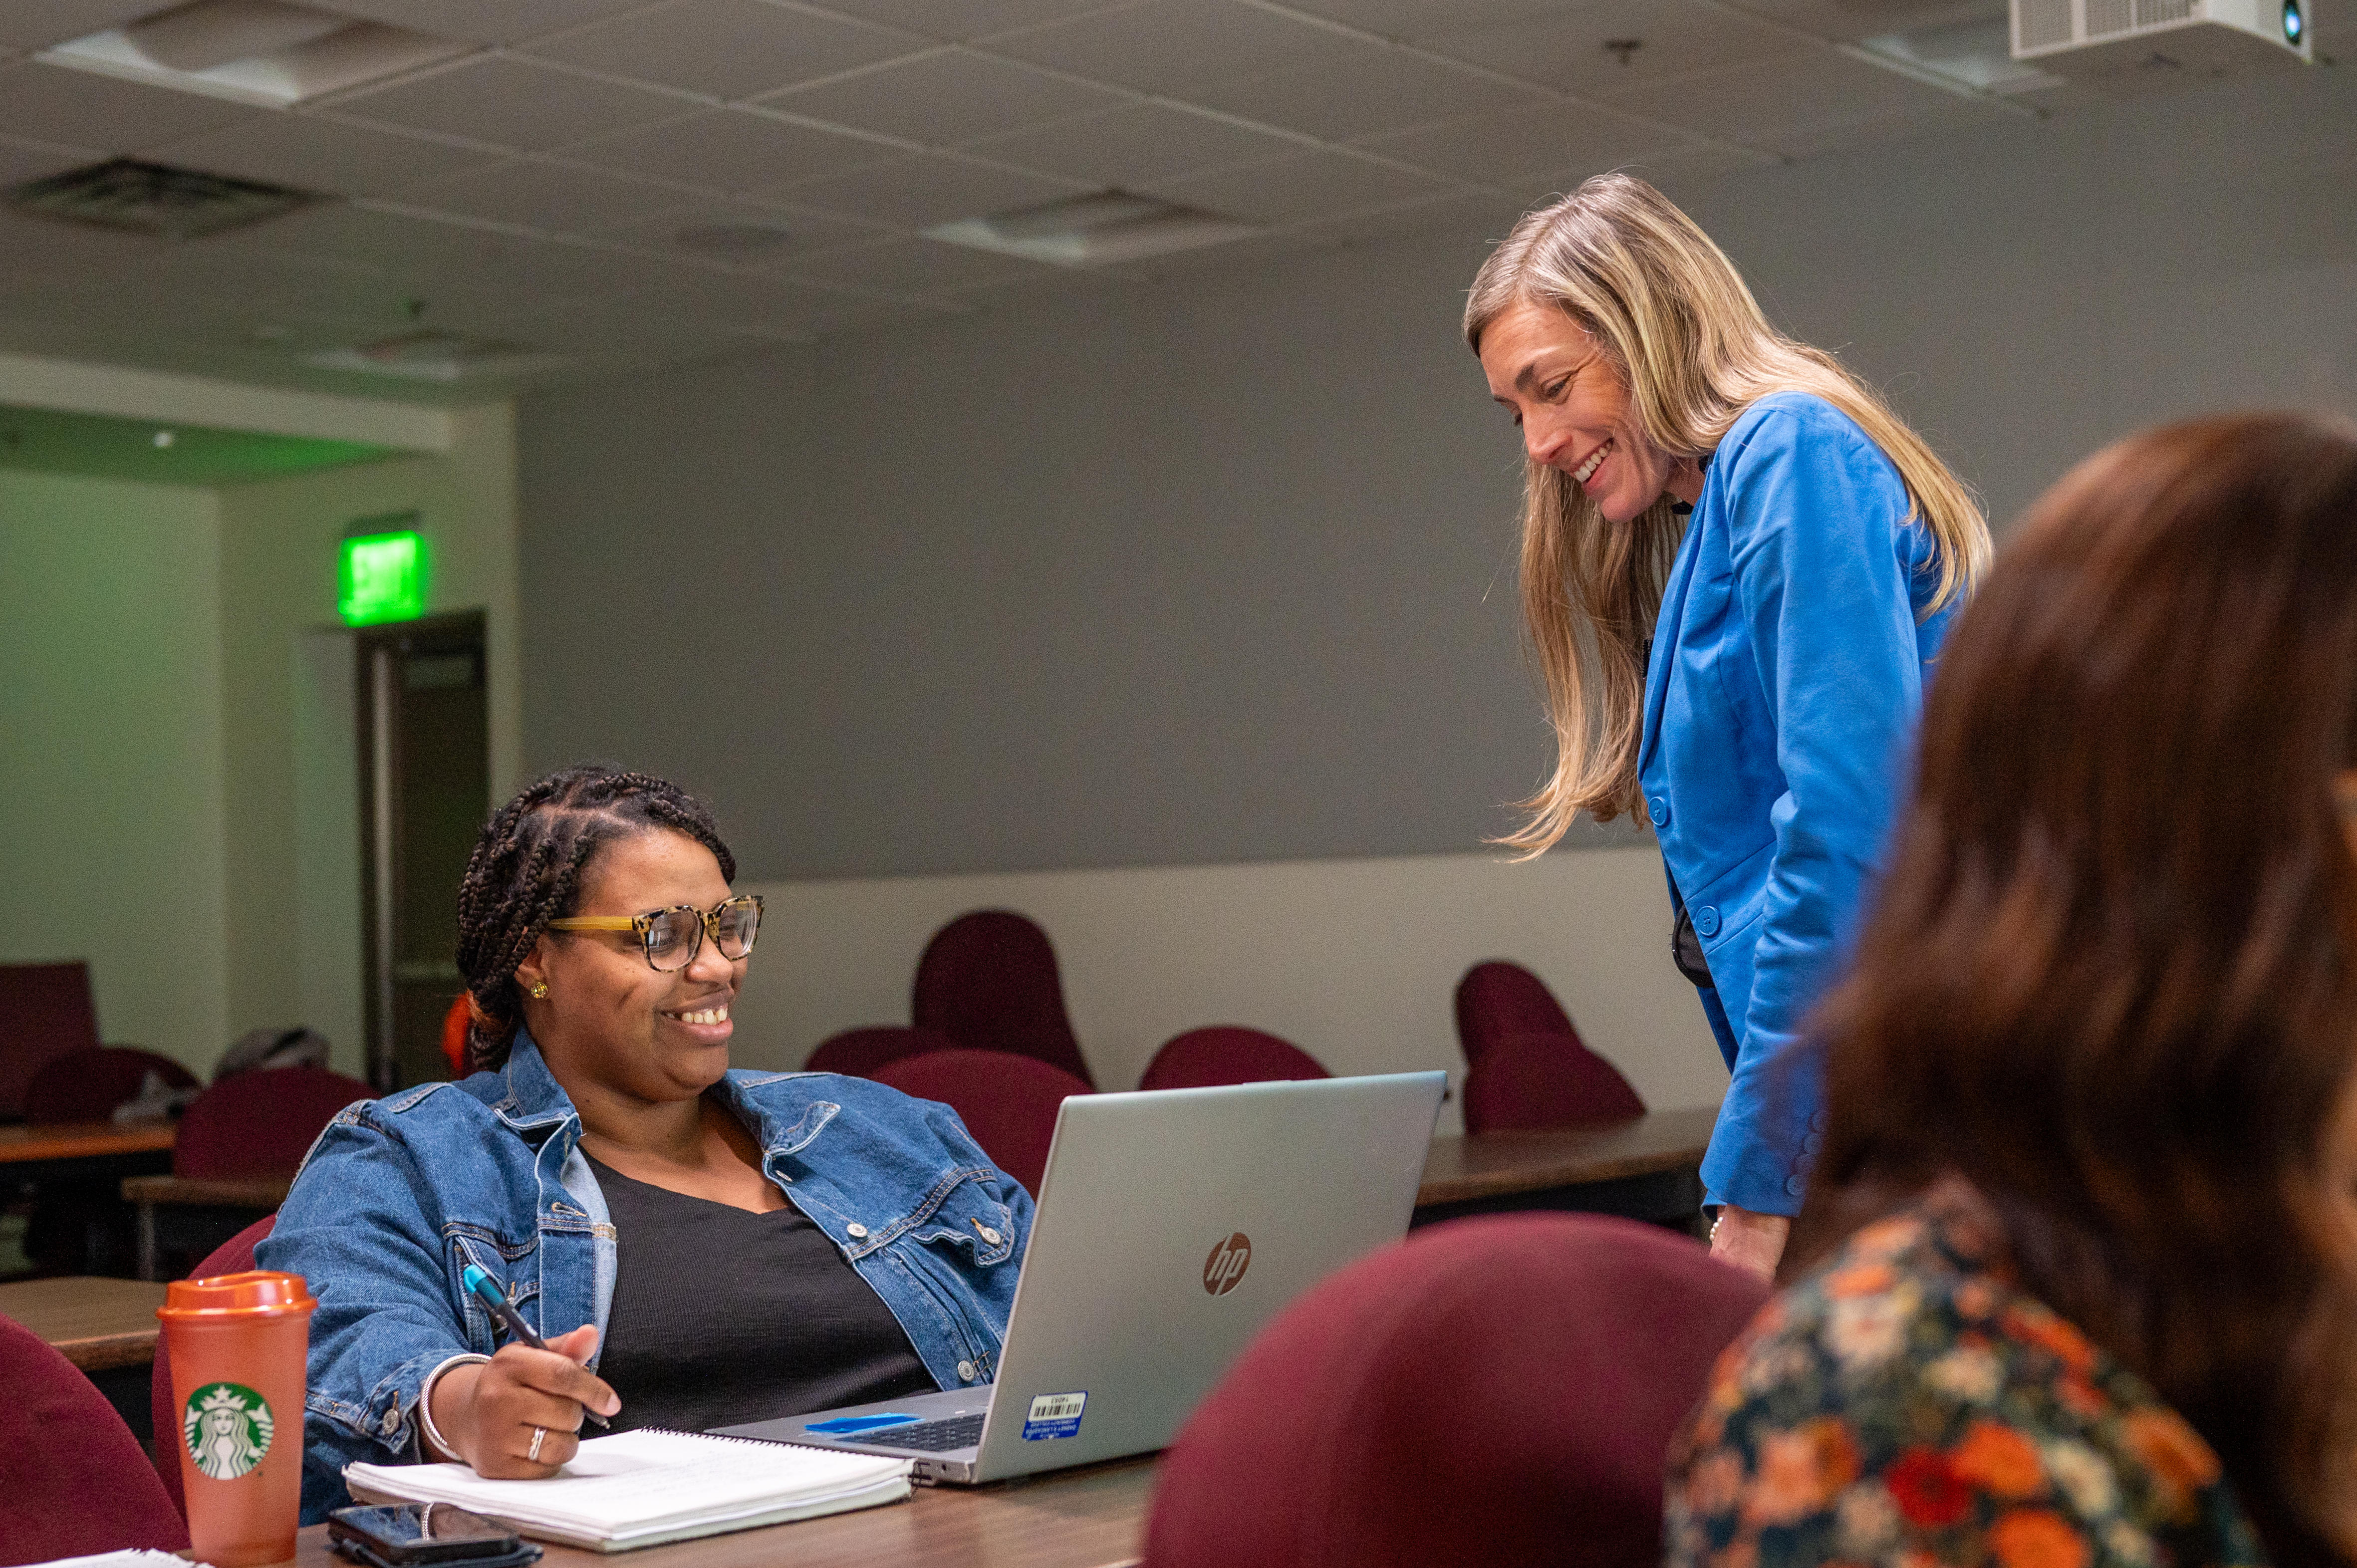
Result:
{"points": [[539, 1436]]}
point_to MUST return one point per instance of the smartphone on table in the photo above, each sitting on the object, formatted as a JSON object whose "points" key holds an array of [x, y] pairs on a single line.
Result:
{"points": [[415, 1535]]}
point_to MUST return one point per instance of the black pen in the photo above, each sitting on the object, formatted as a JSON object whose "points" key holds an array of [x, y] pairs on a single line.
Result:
{"points": [[487, 1288]]}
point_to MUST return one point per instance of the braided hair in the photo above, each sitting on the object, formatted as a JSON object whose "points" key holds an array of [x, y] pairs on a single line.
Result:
{"points": [[526, 871]]}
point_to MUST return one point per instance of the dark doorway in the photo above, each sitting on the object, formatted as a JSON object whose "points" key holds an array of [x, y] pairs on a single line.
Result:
{"points": [[424, 756]]}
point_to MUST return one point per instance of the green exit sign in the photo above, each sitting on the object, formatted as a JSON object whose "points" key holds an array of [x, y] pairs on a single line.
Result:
{"points": [[382, 578]]}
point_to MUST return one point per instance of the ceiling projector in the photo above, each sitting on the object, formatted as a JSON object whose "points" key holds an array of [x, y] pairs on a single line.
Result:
{"points": [[2093, 38]]}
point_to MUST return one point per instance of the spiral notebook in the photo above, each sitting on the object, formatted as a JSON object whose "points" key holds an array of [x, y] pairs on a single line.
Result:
{"points": [[644, 1488]]}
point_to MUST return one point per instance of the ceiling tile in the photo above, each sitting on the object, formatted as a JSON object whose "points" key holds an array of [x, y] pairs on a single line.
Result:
{"points": [[314, 153], [34, 247], [511, 102], [550, 196], [1369, 89], [1850, 19], [1417, 19], [730, 49], [1949, 114], [1782, 100], [1296, 188], [37, 24], [1174, 46], [914, 267], [1550, 138], [1125, 146], [732, 149], [1669, 171], [79, 108], [919, 192], [484, 21], [956, 21], [21, 161], [772, 306], [941, 98], [429, 256], [1565, 49], [795, 232]]}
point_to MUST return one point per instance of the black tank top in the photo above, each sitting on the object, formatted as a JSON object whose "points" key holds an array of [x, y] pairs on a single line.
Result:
{"points": [[721, 1316]]}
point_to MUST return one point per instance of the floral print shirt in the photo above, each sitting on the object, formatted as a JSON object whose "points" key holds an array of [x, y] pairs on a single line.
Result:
{"points": [[1905, 1406]]}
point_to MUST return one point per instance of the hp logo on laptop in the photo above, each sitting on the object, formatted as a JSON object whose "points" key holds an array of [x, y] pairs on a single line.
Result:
{"points": [[1224, 1269]]}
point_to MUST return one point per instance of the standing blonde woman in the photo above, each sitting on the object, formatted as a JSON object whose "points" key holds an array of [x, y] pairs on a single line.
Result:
{"points": [[1738, 565]]}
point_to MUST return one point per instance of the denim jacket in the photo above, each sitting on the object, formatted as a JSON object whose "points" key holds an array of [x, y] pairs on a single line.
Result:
{"points": [[400, 1195], [1788, 670]]}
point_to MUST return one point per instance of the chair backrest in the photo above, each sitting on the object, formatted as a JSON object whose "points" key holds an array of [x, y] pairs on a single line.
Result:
{"points": [[858, 1053], [988, 981], [69, 1469], [260, 1124], [1498, 1389], [88, 1084], [1525, 1065], [234, 1256], [1008, 1102], [45, 1011], [1227, 1053]]}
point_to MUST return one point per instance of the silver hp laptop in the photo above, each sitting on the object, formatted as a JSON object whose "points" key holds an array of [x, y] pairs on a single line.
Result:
{"points": [[1171, 1227]]}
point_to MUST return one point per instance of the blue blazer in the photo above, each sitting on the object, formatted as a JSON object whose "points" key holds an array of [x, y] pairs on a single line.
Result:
{"points": [[1780, 700]]}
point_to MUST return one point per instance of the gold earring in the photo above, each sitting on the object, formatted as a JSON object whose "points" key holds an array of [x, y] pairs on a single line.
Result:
{"points": [[539, 989]]}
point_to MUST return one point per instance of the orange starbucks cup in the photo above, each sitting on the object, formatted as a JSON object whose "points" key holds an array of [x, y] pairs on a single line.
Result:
{"points": [[237, 1344]]}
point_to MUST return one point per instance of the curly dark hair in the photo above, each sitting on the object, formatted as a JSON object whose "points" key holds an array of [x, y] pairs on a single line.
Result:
{"points": [[526, 871]]}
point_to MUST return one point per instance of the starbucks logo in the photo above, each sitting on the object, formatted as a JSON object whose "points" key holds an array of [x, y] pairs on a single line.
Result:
{"points": [[226, 1427]]}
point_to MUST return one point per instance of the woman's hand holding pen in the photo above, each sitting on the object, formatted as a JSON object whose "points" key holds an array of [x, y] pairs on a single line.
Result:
{"points": [[517, 1416]]}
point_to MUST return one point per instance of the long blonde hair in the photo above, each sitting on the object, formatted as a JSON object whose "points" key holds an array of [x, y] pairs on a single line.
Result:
{"points": [[1695, 351]]}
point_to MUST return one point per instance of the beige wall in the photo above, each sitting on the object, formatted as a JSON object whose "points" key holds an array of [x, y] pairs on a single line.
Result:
{"points": [[175, 729], [293, 890], [111, 750], [1354, 961]]}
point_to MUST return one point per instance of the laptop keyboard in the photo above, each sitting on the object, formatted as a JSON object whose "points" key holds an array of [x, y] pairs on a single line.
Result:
{"points": [[928, 1436]]}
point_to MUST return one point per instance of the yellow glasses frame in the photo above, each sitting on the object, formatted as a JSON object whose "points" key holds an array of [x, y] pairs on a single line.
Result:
{"points": [[707, 925]]}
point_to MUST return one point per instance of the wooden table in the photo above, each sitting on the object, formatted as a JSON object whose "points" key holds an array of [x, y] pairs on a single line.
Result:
{"points": [[106, 1328], [96, 1324], [73, 1142], [254, 1197], [1651, 1160], [1090, 1518]]}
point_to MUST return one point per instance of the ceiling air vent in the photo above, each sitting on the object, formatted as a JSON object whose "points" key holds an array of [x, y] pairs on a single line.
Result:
{"points": [[154, 198], [255, 51], [1092, 230]]}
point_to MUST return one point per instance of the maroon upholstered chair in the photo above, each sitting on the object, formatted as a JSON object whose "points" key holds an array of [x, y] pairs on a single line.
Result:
{"points": [[1525, 1066], [988, 981], [234, 1256], [260, 1124], [858, 1053], [86, 1085], [1008, 1102], [1496, 1390], [45, 1011], [1227, 1053], [69, 1469]]}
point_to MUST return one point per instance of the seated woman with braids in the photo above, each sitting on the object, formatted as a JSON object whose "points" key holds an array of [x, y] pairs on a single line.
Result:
{"points": [[697, 1246]]}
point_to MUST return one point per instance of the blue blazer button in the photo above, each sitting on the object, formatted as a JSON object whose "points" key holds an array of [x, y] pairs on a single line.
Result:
{"points": [[1707, 919], [1795, 1185], [1658, 808]]}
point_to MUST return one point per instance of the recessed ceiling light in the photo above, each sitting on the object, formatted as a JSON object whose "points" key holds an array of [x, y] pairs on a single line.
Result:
{"points": [[430, 356], [1973, 57], [1092, 230], [269, 52]]}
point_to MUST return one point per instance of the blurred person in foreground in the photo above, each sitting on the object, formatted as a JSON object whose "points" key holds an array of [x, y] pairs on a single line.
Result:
{"points": [[2082, 1246]]}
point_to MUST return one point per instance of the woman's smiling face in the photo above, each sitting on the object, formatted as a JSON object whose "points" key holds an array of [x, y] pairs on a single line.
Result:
{"points": [[1573, 409], [609, 1016]]}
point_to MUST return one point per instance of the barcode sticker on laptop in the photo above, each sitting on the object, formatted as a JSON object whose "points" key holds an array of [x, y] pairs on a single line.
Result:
{"points": [[1053, 1415]]}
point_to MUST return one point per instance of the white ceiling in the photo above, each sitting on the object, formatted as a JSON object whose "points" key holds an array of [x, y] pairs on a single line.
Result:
{"points": [[533, 191]]}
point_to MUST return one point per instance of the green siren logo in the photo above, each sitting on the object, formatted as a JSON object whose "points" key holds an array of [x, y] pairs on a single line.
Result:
{"points": [[226, 1427]]}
